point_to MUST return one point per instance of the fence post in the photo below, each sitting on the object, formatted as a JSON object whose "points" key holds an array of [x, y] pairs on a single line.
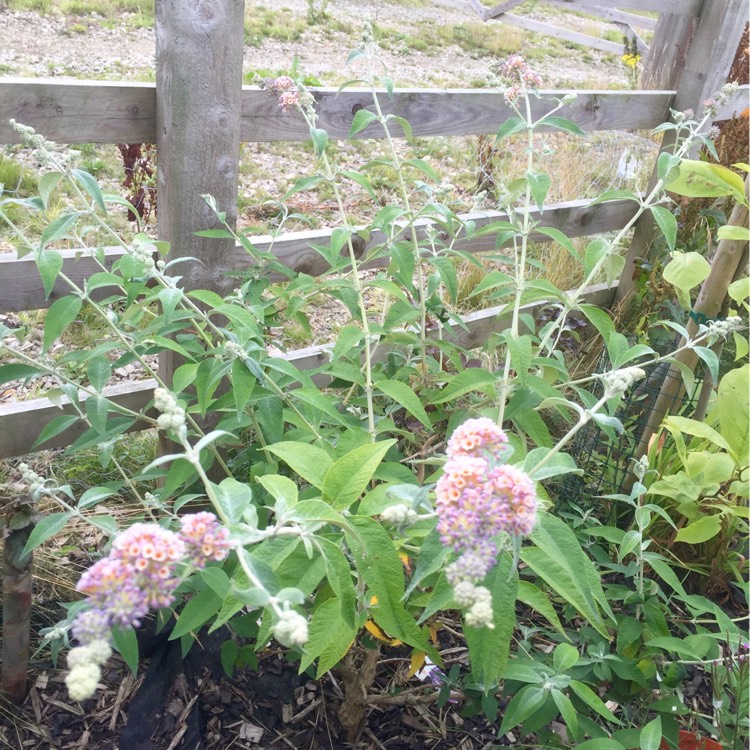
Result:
{"points": [[199, 45], [707, 62]]}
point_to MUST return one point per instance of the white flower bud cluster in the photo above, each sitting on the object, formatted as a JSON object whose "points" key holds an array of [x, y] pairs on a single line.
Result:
{"points": [[234, 351], [31, 478], [85, 669], [478, 600], [144, 252], [290, 629], [724, 327], [172, 415], [399, 515], [618, 381], [31, 138]]}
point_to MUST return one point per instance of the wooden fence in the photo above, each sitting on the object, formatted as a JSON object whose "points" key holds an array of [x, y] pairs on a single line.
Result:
{"points": [[102, 112]]}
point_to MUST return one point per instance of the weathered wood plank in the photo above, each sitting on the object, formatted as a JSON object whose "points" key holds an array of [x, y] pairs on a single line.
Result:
{"points": [[22, 422], [557, 32], [609, 14], [98, 112], [21, 287], [678, 7], [487, 13]]}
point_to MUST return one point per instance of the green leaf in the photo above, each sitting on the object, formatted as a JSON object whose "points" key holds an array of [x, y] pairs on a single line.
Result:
{"points": [[471, 379], [734, 411], [560, 463], [362, 118], [243, 384], [651, 735], [348, 478], [95, 495], [49, 263], [560, 561], [509, 127], [281, 489], [592, 700], [667, 223], [309, 461], [403, 395], [539, 185], [561, 123], [564, 657], [731, 232], [739, 290], [196, 613], [534, 597], [217, 580], [91, 186], [561, 239], [57, 229], [600, 319], [489, 647], [234, 498], [698, 429], [47, 183], [596, 251], [60, 315], [567, 710], [700, 179], [44, 530], [382, 570], [17, 372], [686, 270], [126, 643], [55, 426], [320, 139], [98, 371], [520, 349], [526, 702], [700, 531], [330, 637]]}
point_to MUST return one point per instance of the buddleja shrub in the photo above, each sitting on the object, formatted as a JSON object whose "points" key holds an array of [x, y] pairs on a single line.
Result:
{"points": [[342, 474]]}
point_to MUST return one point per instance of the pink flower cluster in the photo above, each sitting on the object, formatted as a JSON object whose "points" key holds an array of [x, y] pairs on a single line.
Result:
{"points": [[477, 498], [285, 89], [140, 572], [205, 539], [519, 77]]}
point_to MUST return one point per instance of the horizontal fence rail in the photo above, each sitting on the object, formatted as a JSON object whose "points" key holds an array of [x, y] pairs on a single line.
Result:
{"points": [[116, 112], [22, 422], [23, 290], [97, 112]]}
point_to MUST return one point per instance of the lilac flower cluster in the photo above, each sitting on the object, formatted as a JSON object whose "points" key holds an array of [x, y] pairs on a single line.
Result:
{"points": [[140, 573], [517, 77], [286, 90], [476, 499]]}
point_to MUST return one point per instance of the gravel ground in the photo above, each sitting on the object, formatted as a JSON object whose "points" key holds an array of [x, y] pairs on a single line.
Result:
{"points": [[54, 45]]}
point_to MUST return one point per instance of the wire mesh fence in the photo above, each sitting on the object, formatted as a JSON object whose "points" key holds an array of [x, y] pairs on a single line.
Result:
{"points": [[606, 458]]}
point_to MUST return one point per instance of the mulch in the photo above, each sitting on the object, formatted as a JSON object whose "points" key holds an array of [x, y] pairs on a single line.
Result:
{"points": [[191, 704]]}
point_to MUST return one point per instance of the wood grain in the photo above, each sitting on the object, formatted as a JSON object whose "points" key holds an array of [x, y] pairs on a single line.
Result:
{"points": [[22, 289], [678, 7], [610, 14], [98, 112], [22, 422]]}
